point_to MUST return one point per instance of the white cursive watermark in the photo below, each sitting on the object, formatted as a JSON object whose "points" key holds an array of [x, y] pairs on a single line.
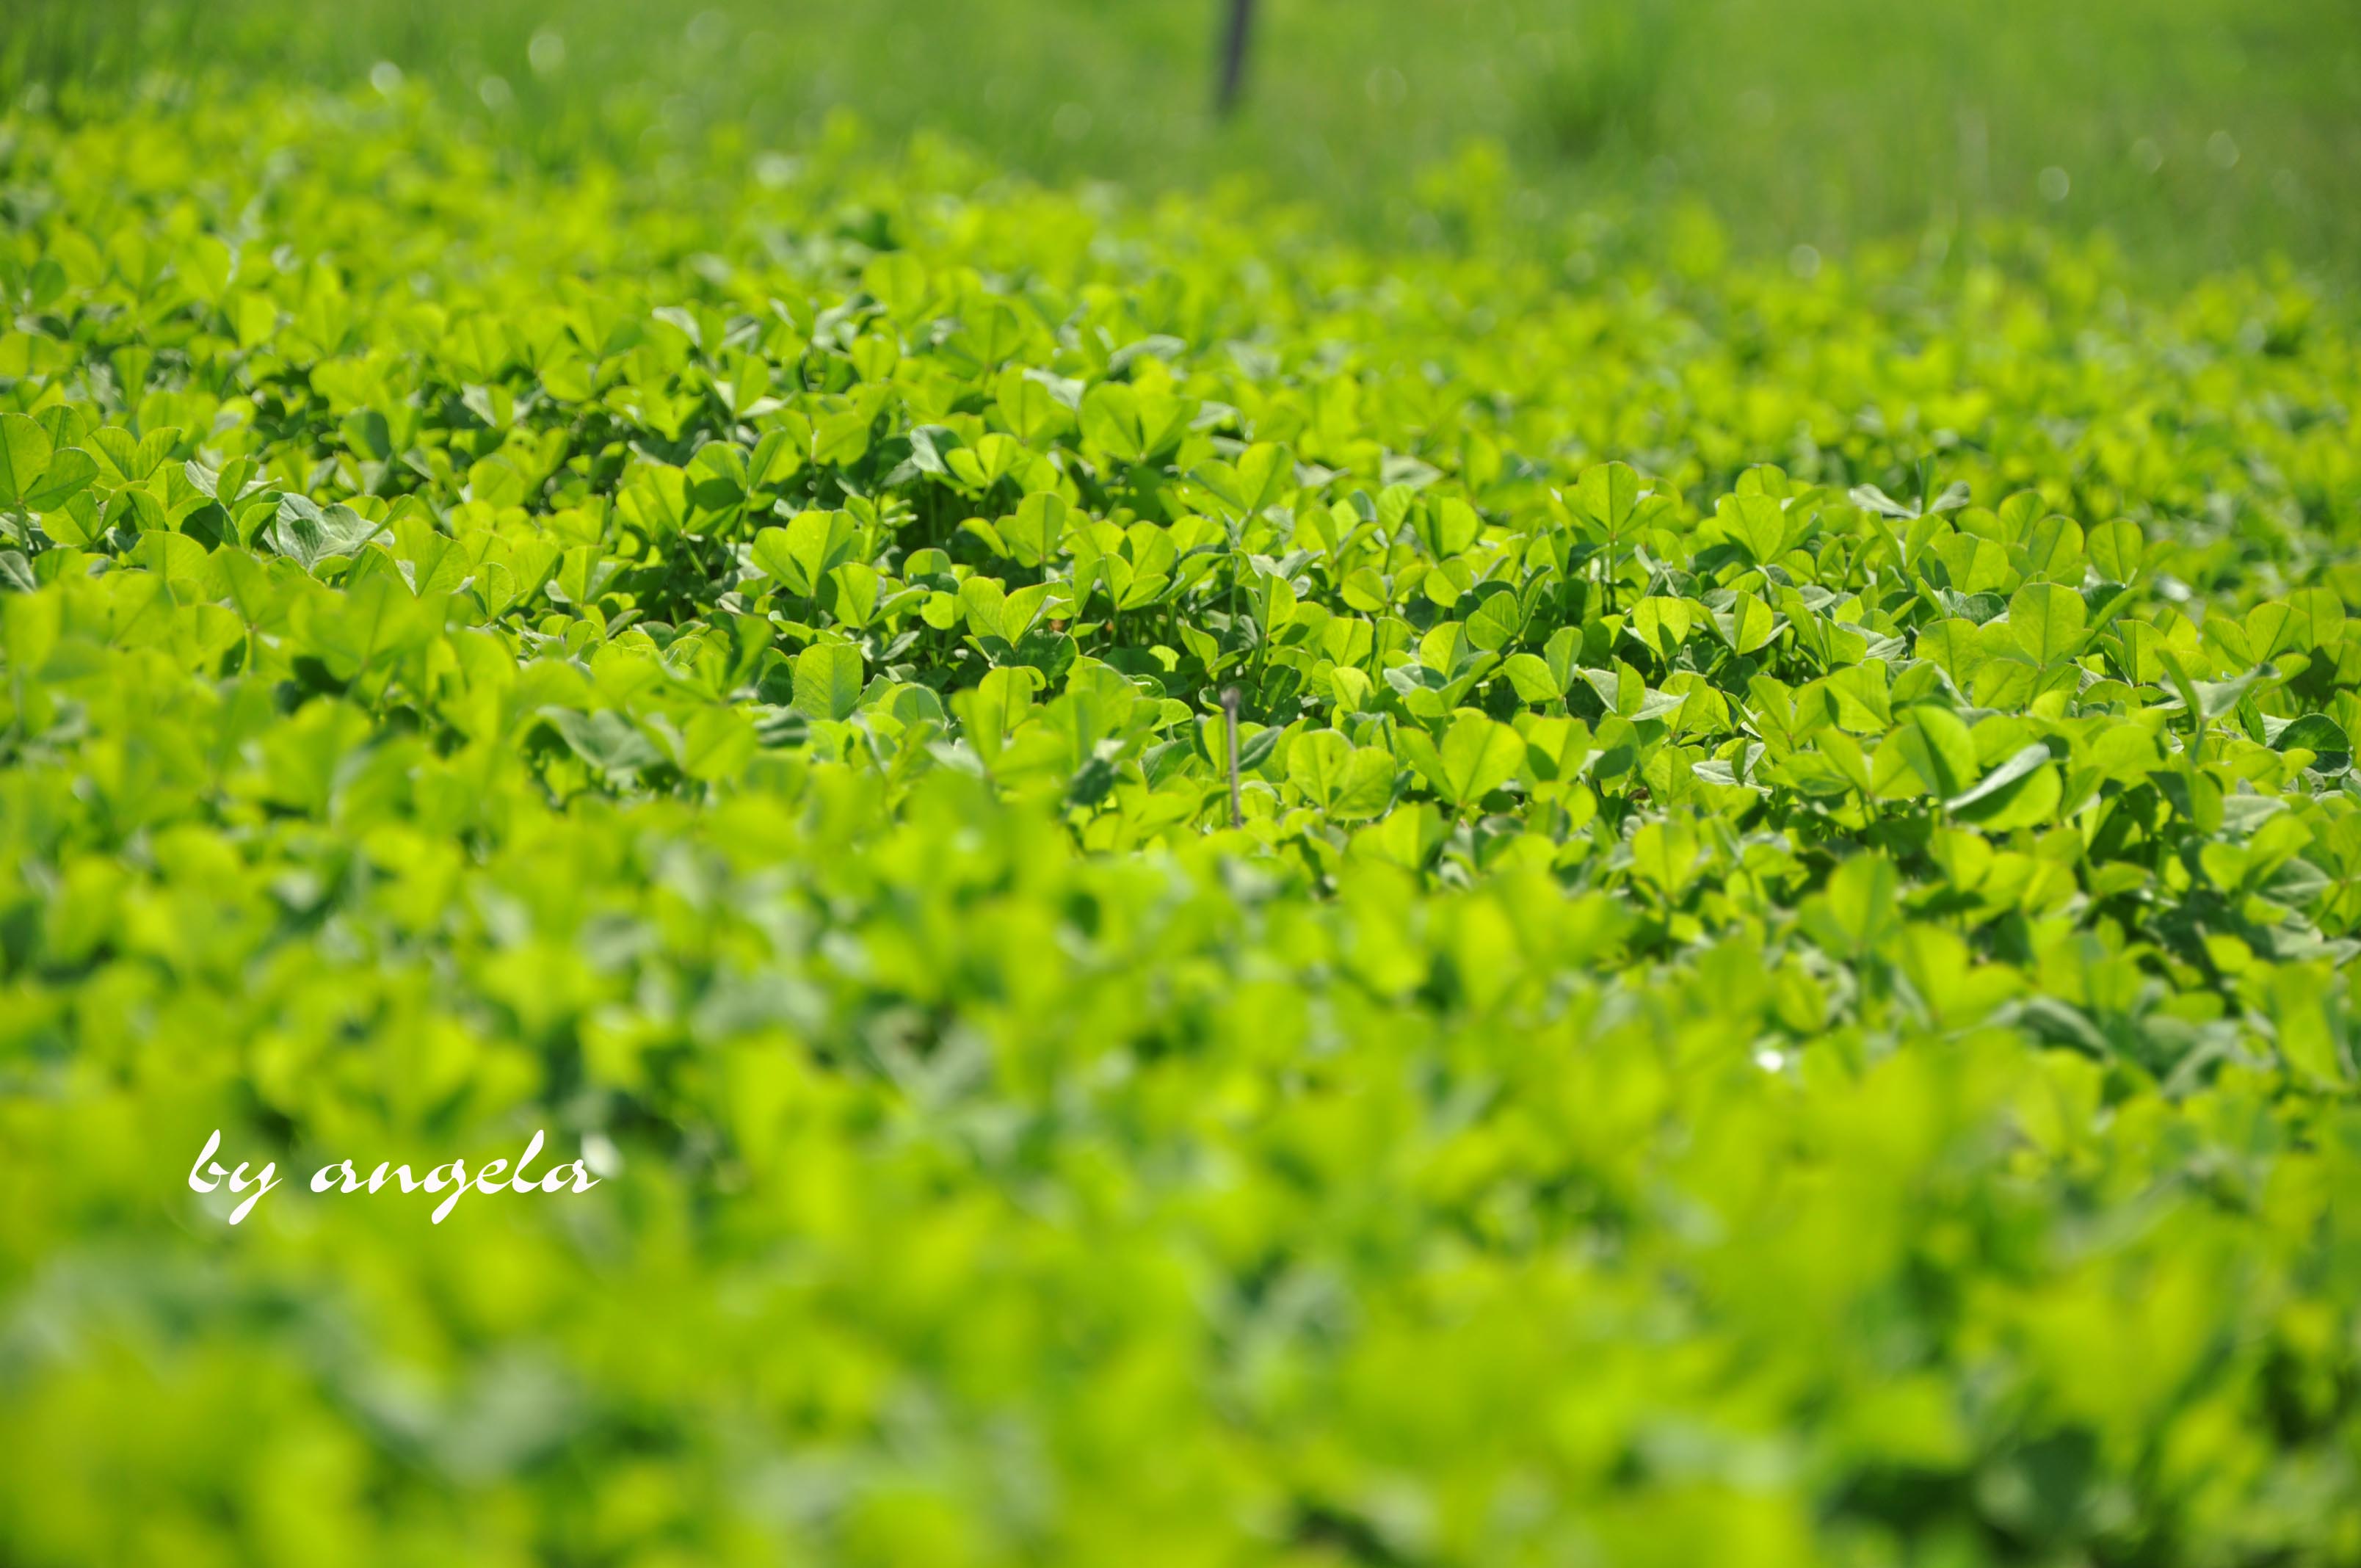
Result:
{"points": [[341, 1176]]}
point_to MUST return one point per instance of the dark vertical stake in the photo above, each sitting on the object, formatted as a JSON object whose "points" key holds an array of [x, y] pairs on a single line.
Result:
{"points": [[1230, 707], [1235, 32]]}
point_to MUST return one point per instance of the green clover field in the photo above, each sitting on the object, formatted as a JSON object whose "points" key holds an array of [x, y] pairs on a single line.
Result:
{"points": [[1568, 856]]}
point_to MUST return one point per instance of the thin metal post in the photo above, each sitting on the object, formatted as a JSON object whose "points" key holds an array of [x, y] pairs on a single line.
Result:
{"points": [[1235, 32]]}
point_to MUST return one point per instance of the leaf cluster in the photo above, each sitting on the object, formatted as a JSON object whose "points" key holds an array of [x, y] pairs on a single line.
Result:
{"points": [[1747, 1019]]}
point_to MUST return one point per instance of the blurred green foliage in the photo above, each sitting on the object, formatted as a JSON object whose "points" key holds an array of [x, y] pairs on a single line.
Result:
{"points": [[2201, 132], [1757, 1015]]}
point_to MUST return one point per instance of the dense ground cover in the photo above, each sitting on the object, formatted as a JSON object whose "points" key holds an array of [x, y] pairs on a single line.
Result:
{"points": [[1775, 996], [2201, 133]]}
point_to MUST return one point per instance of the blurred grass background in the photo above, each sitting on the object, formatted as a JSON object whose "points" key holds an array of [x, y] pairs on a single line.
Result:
{"points": [[2198, 131]]}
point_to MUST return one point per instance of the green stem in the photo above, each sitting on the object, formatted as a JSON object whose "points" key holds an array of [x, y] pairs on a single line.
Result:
{"points": [[1230, 732]]}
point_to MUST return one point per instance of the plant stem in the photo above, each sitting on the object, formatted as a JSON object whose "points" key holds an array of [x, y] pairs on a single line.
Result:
{"points": [[1230, 732]]}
